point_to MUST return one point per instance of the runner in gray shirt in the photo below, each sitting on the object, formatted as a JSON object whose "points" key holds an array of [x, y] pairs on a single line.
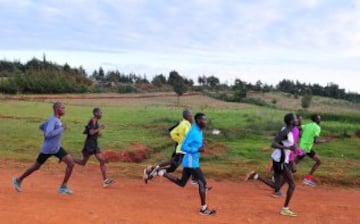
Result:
{"points": [[53, 130]]}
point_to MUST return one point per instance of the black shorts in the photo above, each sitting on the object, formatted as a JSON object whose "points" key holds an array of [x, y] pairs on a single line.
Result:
{"points": [[310, 154], [90, 151], [177, 159], [194, 172], [278, 167], [43, 157], [90, 147]]}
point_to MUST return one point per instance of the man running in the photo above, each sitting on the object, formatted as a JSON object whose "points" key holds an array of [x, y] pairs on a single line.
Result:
{"points": [[283, 144], [53, 130], [178, 135], [310, 135], [296, 135], [193, 145], [92, 131]]}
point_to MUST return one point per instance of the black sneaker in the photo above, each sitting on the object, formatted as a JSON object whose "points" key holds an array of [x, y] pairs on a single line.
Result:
{"points": [[207, 212]]}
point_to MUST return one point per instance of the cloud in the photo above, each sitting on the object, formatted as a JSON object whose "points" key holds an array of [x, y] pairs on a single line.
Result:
{"points": [[213, 37]]}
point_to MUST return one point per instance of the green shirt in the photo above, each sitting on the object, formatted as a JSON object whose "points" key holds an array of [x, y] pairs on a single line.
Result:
{"points": [[308, 134]]}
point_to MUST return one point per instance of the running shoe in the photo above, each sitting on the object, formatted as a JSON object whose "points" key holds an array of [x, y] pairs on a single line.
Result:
{"points": [[207, 211], [161, 172], [287, 212], [251, 175], [147, 170], [154, 172], [309, 182], [17, 184], [277, 194], [194, 181], [65, 190], [107, 182]]}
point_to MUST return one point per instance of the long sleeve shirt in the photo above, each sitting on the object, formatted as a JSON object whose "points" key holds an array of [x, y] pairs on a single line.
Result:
{"points": [[193, 141], [53, 131], [179, 132]]}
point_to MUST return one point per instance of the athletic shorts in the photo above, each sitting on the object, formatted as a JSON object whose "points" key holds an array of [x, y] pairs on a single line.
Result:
{"points": [[41, 159], [177, 158], [278, 167], [296, 153], [90, 151], [310, 154], [90, 147]]}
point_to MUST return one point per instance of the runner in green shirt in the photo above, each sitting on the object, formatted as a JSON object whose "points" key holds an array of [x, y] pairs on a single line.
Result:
{"points": [[310, 135]]}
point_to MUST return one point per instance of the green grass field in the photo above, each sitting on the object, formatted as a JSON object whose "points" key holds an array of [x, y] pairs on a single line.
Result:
{"points": [[244, 142]]}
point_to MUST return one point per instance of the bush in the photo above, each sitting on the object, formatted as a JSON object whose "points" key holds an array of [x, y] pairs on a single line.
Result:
{"points": [[127, 89], [306, 101]]}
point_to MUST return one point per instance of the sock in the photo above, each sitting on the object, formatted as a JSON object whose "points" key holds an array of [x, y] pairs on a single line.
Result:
{"points": [[203, 207], [308, 177], [285, 207]]}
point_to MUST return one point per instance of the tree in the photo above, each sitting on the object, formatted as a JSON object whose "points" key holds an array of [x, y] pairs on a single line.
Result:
{"points": [[258, 85], [173, 78], [112, 76], [202, 80], [158, 80], [240, 90], [101, 74], [306, 99], [94, 75], [67, 67], [178, 83], [180, 87], [212, 82], [189, 82]]}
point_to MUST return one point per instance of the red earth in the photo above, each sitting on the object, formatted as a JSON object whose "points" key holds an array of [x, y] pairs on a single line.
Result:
{"points": [[129, 200]]}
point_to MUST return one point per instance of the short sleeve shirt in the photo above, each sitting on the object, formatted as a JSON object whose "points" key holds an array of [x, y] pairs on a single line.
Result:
{"points": [[309, 132]]}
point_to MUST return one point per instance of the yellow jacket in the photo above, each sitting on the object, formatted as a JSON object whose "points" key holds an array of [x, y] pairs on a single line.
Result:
{"points": [[179, 132]]}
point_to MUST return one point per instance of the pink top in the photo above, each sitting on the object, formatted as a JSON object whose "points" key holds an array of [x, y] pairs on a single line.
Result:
{"points": [[296, 134]]}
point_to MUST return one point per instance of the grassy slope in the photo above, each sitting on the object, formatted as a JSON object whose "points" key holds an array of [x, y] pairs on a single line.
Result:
{"points": [[246, 133]]}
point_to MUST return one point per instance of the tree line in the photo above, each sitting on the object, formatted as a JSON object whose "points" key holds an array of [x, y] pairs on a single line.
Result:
{"points": [[42, 76]]}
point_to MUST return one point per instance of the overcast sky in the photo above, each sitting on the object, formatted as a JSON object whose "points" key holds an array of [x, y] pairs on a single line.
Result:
{"points": [[313, 41]]}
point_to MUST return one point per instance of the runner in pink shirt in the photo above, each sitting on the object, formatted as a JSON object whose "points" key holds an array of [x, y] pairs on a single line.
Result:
{"points": [[296, 131]]}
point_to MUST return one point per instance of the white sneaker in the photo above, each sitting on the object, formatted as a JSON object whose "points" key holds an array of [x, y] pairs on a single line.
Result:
{"points": [[161, 172], [154, 172], [252, 175], [147, 170], [309, 182]]}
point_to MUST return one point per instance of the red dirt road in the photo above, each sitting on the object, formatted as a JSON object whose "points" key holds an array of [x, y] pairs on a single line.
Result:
{"points": [[131, 201]]}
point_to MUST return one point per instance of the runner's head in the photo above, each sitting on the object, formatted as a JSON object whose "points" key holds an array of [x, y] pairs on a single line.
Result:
{"points": [[290, 119], [97, 113], [316, 118], [187, 115], [298, 120], [201, 120], [59, 109]]}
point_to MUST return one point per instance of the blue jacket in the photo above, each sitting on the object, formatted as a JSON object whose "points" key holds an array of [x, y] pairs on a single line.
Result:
{"points": [[53, 131], [193, 141]]}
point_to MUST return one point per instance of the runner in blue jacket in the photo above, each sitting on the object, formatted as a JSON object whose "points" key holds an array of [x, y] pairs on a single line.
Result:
{"points": [[193, 145]]}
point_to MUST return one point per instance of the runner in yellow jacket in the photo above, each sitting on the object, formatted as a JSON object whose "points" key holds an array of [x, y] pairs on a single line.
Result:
{"points": [[177, 134]]}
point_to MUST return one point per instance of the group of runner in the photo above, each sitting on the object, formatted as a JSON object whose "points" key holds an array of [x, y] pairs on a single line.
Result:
{"points": [[292, 143], [189, 140], [53, 130]]}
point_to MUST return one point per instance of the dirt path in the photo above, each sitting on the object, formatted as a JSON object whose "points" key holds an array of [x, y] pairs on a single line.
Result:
{"points": [[131, 201]]}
